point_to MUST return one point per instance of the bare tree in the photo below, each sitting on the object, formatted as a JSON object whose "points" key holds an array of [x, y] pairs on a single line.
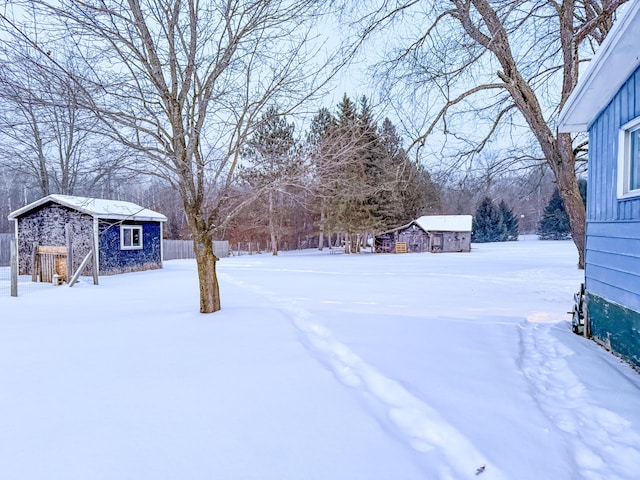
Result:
{"points": [[45, 134], [511, 63], [183, 82]]}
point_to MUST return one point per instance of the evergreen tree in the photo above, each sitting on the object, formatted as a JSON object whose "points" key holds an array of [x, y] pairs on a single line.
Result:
{"points": [[582, 186], [487, 223], [555, 221], [509, 221], [414, 193], [363, 180], [321, 151], [353, 205], [271, 163]]}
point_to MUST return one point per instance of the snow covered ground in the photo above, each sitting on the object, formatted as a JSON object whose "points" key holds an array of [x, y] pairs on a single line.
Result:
{"points": [[331, 367]]}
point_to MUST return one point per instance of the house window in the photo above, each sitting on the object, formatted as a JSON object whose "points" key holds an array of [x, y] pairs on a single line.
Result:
{"points": [[629, 160], [130, 237]]}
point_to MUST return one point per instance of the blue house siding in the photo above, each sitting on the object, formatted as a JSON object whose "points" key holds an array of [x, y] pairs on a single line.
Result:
{"points": [[607, 97], [612, 270], [602, 201], [113, 260]]}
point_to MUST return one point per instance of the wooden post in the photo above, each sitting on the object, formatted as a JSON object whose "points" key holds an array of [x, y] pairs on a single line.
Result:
{"points": [[94, 268], [34, 262], [73, 281], [69, 272], [14, 268]]}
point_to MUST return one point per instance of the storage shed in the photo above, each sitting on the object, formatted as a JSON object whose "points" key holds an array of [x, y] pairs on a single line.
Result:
{"points": [[606, 103], [126, 237], [429, 233]]}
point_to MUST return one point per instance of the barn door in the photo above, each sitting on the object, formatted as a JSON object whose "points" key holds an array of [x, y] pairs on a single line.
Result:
{"points": [[437, 243]]}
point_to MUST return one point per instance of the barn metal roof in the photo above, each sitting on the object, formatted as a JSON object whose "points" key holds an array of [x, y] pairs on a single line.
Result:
{"points": [[440, 223], [445, 223], [96, 207]]}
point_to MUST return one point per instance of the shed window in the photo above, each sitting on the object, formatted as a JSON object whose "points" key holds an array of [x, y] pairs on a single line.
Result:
{"points": [[130, 237], [629, 160]]}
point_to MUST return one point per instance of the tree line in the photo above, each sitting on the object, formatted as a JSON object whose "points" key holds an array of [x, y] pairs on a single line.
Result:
{"points": [[348, 175], [177, 90]]}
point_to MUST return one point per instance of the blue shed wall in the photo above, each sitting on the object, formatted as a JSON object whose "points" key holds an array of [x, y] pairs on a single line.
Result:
{"points": [[114, 260], [613, 226]]}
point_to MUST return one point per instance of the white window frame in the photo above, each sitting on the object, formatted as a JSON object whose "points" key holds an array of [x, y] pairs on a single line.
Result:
{"points": [[131, 228], [624, 159]]}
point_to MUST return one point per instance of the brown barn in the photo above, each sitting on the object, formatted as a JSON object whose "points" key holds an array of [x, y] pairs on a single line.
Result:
{"points": [[431, 233]]}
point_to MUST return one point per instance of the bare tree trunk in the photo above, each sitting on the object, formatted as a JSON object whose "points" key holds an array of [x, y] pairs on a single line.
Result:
{"points": [[272, 227], [205, 259], [570, 193], [208, 279], [347, 242], [321, 235]]}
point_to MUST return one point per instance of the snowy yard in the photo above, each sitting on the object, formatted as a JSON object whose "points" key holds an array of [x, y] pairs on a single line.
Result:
{"points": [[328, 367]]}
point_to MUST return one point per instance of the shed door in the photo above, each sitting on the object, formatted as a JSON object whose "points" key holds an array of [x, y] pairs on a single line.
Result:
{"points": [[438, 240]]}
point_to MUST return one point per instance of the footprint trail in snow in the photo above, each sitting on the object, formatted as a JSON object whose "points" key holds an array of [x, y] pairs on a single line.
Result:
{"points": [[561, 396], [409, 418]]}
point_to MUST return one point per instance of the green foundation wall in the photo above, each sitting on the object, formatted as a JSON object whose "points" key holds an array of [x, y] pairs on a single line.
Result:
{"points": [[616, 327]]}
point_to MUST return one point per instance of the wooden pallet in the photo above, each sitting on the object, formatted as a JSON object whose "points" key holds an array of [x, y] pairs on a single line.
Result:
{"points": [[47, 261], [401, 247]]}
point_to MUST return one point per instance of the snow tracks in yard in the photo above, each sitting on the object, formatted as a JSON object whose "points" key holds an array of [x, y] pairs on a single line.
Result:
{"points": [[443, 450], [591, 430]]}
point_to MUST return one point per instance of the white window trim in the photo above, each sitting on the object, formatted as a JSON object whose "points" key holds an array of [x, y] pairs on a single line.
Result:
{"points": [[624, 162], [130, 247]]}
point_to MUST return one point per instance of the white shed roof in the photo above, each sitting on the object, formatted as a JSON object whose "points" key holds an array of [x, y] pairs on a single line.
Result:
{"points": [[446, 223], [613, 63], [96, 207]]}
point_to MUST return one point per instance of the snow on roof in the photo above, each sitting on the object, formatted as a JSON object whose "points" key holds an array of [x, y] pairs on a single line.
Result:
{"points": [[613, 63], [445, 223], [96, 207]]}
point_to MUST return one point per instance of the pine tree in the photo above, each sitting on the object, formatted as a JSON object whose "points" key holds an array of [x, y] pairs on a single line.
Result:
{"points": [[363, 180], [414, 193], [487, 223], [555, 221], [582, 186], [271, 161], [321, 151], [509, 221]]}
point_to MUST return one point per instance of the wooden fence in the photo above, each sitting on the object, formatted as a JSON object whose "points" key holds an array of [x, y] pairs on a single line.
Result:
{"points": [[177, 249], [5, 249]]}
